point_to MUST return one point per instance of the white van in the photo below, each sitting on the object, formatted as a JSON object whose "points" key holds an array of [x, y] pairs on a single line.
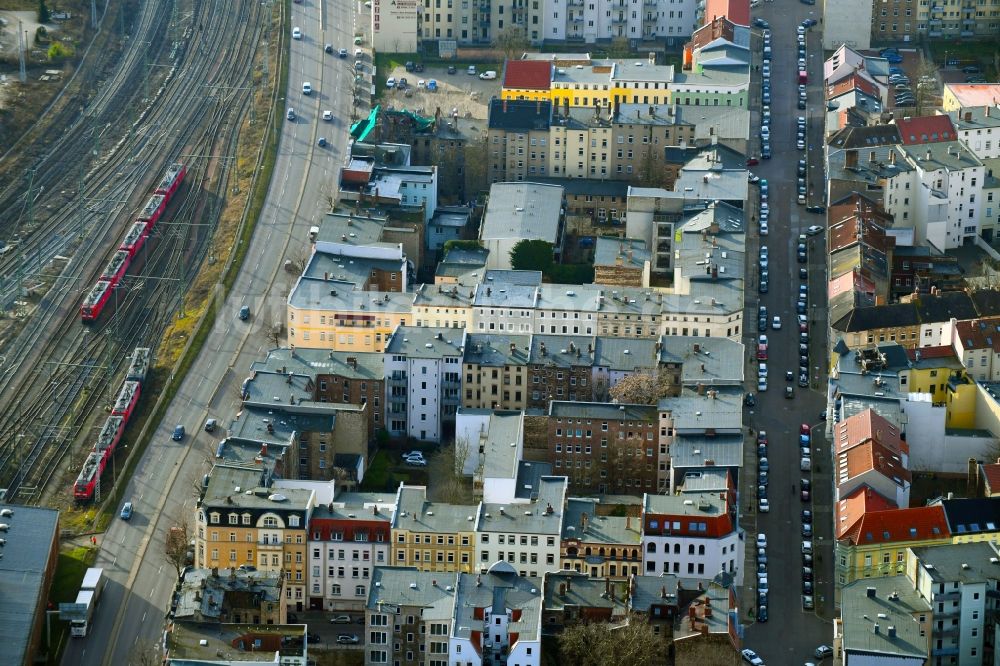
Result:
{"points": [[488, 75]]}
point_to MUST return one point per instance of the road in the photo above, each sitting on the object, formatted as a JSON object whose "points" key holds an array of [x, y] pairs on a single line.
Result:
{"points": [[164, 486], [791, 633]]}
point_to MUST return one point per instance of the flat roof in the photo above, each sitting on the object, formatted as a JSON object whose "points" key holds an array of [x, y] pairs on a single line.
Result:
{"points": [[355, 365], [599, 528], [964, 563], [632, 252], [22, 576], [228, 486], [523, 211], [500, 459], [859, 613], [415, 514], [715, 408], [542, 517], [319, 294], [426, 341], [602, 410]]}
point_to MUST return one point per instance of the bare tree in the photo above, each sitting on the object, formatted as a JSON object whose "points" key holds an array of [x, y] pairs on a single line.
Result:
{"points": [[145, 655], [475, 166], [512, 40], [642, 388], [445, 468], [274, 334], [177, 546], [633, 643], [619, 48]]}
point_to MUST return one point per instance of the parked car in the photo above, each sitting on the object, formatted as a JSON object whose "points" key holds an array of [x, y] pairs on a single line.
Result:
{"points": [[126, 512], [347, 639], [341, 619]]}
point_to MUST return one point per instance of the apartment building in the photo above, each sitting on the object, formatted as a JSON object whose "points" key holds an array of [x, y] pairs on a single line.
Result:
{"points": [[505, 300], [870, 453], [378, 269], [600, 545], [958, 19], [699, 428], [432, 536], [240, 520], [408, 616], [447, 305], [621, 262], [973, 342], [214, 596], [461, 266], [884, 617], [495, 369], [525, 535], [423, 369], [517, 137], [604, 448], [348, 538], [520, 211], [560, 368], [896, 21], [694, 535], [959, 581]]}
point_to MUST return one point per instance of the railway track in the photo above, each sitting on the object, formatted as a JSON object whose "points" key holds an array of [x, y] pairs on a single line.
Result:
{"points": [[36, 437]]}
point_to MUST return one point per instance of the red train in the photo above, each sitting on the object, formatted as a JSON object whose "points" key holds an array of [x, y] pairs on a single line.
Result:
{"points": [[134, 240], [95, 301], [114, 427]]}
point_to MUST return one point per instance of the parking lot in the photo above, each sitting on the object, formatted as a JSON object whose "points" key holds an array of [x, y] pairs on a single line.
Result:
{"points": [[467, 93]]}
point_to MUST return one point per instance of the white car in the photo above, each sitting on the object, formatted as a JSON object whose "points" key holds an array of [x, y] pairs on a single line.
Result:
{"points": [[800, 144], [762, 370], [763, 251], [761, 540], [762, 384], [296, 33], [763, 229], [764, 507], [776, 323], [765, 131], [307, 88], [823, 651], [762, 339], [814, 229], [421, 83], [390, 82], [751, 657], [328, 115]]}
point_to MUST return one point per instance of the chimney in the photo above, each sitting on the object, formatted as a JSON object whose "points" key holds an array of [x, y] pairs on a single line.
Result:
{"points": [[875, 628], [628, 522], [352, 361], [583, 521], [562, 586], [892, 632], [968, 119], [691, 613], [215, 572], [927, 155], [701, 389], [870, 592], [263, 447], [569, 584], [607, 586], [892, 157], [505, 106], [663, 592]]}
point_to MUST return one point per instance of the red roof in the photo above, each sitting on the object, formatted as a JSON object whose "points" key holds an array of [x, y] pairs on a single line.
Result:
{"points": [[528, 75], [991, 473], [979, 333], [868, 426], [900, 525], [853, 507], [855, 81], [944, 351], [926, 129]]}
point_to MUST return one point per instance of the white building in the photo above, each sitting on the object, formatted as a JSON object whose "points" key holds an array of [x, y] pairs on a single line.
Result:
{"points": [[423, 367], [526, 536], [979, 129], [348, 538], [521, 211], [847, 22], [694, 535], [394, 26], [489, 445], [505, 302]]}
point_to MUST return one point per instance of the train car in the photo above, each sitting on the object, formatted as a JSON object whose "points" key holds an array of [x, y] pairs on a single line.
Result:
{"points": [[83, 489], [95, 301], [134, 239], [171, 180], [115, 270], [152, 211], [127, 397], [110, 435], [139, 366]]}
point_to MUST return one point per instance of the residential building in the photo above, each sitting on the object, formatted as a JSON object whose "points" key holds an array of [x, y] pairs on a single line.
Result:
{"points": [[30, 555], [959, 581], [408, 616], [599, 545], [958, 21], [708, 633], [699, 428], [987, 479], [461, 266], [521, 211], [957, 96], [423, 369], [862, 159], [526, 80], [254, 526], [846, 25], [348, 538], [871, 454], [603, 447], [445, 305], [525, 535], [571, 598], [896, 21], [505, 301], [692, 534], [449, 223], [973, 342], [489, 447], [230, 596], [432, 536], [495, 369], [331, 315], [972, 519], [880, 619], [599, 203], [978, 127], [621, 262], [411, 189], [518, 140]]}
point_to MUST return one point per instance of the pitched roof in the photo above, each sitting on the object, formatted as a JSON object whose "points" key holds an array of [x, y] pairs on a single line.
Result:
{"points": [[527, 75], [926, 129], [979, 333], [991, 475], [987, 302], [943, 351], [871, 457], [853, 82], [945, 306], [851, 508], [519, 114], [865, 137], [900, 525], [972, 515], [864, 427]]}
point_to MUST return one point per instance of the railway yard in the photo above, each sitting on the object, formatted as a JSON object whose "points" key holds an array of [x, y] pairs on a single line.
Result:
{"points": [[179, 94]]}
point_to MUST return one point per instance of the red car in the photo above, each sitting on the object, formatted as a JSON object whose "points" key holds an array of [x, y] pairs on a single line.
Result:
{"points": [[761, 352], [804, 429], [752, 161], [762, 438]]}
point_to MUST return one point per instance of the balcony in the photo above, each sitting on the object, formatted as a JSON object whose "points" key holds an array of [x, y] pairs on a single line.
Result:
{"points": [[574, 3], [937, 10], [934, 33], [935, 22], [967, 33], [648, 20], [620, 20]]}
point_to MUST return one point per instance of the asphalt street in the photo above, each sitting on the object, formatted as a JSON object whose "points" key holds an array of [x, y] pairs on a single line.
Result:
{"points": [[791, 633], [164, 488]]}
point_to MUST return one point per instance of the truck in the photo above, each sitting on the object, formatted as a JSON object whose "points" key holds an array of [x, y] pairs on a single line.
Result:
{"points": [[81, 613]]}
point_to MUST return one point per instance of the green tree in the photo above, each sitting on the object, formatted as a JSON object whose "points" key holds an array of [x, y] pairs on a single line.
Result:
{"points": [[43, 12], [58, 51], [532, 255], [457, 244]]}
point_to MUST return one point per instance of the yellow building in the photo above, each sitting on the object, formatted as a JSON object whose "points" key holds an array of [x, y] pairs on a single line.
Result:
{"points": [[968, 95], [241, 522], [432, 536], [588, 83], [875, 545], [327, 314], [600, 546], [929, 371], [444, 305], [960, 406], [495, 371]]}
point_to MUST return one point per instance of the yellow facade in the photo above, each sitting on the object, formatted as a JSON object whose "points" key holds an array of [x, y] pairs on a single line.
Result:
{"points": [[928, 380], [455, 315], [434, 551], [361, 330], [876, 560], [960, 407], [524, 93]]}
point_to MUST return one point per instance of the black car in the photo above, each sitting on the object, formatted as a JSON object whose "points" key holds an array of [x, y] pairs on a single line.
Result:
{"points": [[804, 379], [762, 324], [807, 587], [763, 287], [804, 495], [801, 104], [807, 574], [801, 257], [313, 638], [451, 69], [815, 209], [749, 400], [970, 69], [803, 273], [762, 614], [761, 492], [807, 516], [803, 338]]}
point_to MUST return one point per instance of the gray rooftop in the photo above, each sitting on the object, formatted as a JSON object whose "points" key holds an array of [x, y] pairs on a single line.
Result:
{"points": [[602, 410], [541, 517], [355, 270], [717, 185], [285, 420], [959, 562], [505, 295], [690, 504], [859, 613], [582, 74], [365, 365], [950, 155], [228, 488], [416, 514], [23, 577], [708, 479], [726, 77], [626, 354], [599, 529], [523, 211], [562, 351], [632, 252], [974, 118], [447, 295], [706, 361], [701, 451], [426, 341], [350, 229], [500, 459], [202, 596], [319, 294], [639, 114], [569, 589], [271, 388], [629, 70], [459, 262], [706, 297], [407, 587], [357, 506], [497, 349], [498, 590], [719, 409], [728, 122], [529, 477]]}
